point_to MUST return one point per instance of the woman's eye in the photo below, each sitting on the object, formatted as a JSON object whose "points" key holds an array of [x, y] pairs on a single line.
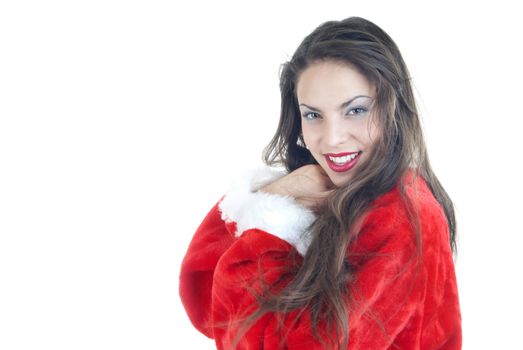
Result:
{"points": [[307, 114], [357, 110]]}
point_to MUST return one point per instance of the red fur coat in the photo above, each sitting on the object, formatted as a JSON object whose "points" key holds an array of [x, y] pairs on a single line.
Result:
{"points": [[415, 310]]}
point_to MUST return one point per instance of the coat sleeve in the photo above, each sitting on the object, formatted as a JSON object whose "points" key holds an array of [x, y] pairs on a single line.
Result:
{"points": [[221, 227], [212, 238], [399, 299]]}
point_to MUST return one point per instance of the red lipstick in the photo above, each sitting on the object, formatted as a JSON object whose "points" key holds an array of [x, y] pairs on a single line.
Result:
{"points": [[339, 154], [344, 167]]}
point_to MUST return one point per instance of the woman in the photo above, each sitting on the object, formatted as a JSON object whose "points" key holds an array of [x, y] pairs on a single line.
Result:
{"points": [[351, 245]]}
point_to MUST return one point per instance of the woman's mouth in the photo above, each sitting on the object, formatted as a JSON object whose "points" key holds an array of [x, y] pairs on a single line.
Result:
{"points": [[343, 163]]}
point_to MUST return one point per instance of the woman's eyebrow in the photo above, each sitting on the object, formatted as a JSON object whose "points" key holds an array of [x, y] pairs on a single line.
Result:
{"points": [[343, 105]]}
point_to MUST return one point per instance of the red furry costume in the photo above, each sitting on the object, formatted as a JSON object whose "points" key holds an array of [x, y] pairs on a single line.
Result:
{"points": [[417, 310]]}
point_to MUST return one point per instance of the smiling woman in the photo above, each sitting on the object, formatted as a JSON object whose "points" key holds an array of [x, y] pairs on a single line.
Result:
{"points": [[351, 245]]}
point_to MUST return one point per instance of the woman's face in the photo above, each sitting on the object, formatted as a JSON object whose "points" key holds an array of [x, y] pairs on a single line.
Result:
{"points": [[335, 106]]}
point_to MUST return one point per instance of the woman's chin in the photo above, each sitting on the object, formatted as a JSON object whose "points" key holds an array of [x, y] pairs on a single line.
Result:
{"points": [[338, 180]]}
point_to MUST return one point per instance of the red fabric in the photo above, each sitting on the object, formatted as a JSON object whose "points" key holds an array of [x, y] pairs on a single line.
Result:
{"points": [[399, 305]]}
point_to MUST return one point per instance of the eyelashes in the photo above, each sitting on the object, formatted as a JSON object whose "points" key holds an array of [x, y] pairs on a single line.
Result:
{"points": [[362, 110]]}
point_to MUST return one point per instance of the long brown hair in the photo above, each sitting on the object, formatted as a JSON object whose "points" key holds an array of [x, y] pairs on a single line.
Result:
{"points": [[319, 283]]}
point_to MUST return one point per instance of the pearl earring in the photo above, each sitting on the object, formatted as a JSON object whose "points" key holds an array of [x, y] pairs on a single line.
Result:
{"points": [[300, 143]]}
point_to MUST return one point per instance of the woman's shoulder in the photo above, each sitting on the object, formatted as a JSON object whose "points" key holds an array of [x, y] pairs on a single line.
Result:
{"points": [[392, 216], [411, 187]]}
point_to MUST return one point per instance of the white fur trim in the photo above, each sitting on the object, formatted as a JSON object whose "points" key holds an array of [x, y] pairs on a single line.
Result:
{"points": [[278, 215]]}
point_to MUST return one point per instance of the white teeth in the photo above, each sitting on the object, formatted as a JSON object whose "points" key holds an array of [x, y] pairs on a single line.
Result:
{"points": [[344, 159]]}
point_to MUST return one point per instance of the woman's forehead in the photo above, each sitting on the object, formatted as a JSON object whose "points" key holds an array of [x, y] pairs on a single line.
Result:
{"points": [[330, 83]]}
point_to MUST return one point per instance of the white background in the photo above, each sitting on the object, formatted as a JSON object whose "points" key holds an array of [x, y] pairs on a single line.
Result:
{"points": [[123, 121]]}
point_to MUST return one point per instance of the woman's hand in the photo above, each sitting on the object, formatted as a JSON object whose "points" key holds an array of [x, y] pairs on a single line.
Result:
{"points": [[309, 185]]}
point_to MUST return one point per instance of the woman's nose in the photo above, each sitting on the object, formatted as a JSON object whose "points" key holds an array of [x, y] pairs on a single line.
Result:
{"points": [[334, 134]]}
